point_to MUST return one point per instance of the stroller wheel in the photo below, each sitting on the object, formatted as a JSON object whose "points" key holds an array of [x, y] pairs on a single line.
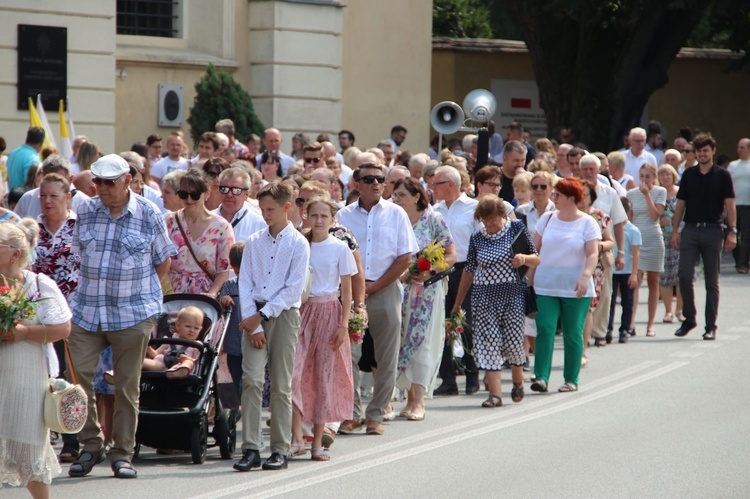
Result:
{"points": [[199, 440], [225, 433]]}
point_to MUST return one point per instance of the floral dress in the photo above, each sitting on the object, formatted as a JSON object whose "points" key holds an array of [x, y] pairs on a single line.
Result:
{"points": [[423, 314], [55, 257], [603, 220], [211, 247], [670, 276]]}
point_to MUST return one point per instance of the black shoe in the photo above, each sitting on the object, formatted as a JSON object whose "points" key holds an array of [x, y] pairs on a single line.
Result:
{"points": [[250, 459], [608, 337], [624, 336], [710, 334], [446, 389], [685, 328], [275, 462], [472, 387]]}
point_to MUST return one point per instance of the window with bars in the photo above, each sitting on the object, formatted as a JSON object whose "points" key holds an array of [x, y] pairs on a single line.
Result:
{"points": [[148, 18]]}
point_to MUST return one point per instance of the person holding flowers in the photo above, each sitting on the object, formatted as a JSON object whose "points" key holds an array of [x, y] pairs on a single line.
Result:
{"points": [[33, 313], [498, 299], [423, 307]]}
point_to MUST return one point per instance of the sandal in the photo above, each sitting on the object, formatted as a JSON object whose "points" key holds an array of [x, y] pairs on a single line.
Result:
{"points": [[319, 454], [517, 393], [404, 414], [493, 401], [68, 455], [539, 386], [124, 469], [584, 361], [668, 319], [179, 372], [328, 437], [650, 333], [296, 450], [416, 417], [85, 463], [600, 342], [567, 388], [679, 316]]}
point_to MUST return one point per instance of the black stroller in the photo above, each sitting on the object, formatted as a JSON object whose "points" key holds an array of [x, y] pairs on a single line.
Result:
{"points": [[174, 413]]}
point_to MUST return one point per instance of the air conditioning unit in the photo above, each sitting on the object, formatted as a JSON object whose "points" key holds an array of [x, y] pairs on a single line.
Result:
{"points": [[170, 105]]}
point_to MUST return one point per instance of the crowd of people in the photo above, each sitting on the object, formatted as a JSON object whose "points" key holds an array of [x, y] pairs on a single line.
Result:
{"points": [[527, 243]]}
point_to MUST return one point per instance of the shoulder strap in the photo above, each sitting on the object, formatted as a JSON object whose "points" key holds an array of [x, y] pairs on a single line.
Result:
{"points": [[190, 247], [234, 224]]}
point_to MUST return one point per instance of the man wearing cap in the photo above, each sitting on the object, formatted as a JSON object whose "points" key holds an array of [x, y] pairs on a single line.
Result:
{"points": [[125, 251]]}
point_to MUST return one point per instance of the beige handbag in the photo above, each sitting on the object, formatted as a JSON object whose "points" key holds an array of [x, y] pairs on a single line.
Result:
{"points": [[65, 405]]}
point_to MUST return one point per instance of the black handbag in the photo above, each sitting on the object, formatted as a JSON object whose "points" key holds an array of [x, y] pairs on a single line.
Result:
{"points": [[531, 308]]}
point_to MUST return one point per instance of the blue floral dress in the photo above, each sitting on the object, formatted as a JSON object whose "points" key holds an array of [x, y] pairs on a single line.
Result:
{"points": [[423, 314]]}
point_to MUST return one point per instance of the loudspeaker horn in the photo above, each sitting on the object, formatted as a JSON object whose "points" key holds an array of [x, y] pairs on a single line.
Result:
{"points": [[480, 105], [447, 117]]}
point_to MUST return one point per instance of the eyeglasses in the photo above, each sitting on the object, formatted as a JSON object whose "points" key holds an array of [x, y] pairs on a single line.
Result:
{"points": [[106, 181], [195, 195], [536, 187], [313, 160], [136, 182], [212, 174], [369, 179], [494, 185], [300, 202], [236, 191], [435, 184]]}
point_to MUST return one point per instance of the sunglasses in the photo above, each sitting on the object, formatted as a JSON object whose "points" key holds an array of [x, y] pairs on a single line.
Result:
{"points": [[195, 195], [536, 187], [106, 181], [369, 179], [300, 202], [236, 191], [313, 160]]}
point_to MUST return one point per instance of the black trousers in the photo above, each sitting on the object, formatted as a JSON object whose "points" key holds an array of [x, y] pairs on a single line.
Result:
{"points": [[741, 253], [447, 369], [701, 243], [620, 282]]}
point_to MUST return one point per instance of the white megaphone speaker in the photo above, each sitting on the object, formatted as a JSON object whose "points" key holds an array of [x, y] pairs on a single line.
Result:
{"points": [[447, 117], [480, 105]]}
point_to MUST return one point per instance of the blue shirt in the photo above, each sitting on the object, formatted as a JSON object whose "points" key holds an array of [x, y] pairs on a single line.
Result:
{"points": [[118, 286], [632, 238], [19, 162]]}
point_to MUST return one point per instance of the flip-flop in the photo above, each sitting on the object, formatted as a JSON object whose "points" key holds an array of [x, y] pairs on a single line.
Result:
{"points": [[124, 469], [567, 388], [85, 463]]}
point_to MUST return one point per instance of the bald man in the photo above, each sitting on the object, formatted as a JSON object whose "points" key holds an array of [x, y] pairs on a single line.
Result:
{"points": [[272, 142], [740, 172], [84, 183]]}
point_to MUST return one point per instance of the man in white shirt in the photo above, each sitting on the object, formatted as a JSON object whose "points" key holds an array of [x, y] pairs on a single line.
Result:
{"points": [[386, 244], [637, 155], [272, 142], [234, 187], [457, 210], [740, 172], [30, 205], [174, 160], [208, 144]]}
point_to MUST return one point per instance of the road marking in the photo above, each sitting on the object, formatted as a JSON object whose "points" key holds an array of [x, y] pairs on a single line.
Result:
{"points": [[456, 433], [690, 355]]}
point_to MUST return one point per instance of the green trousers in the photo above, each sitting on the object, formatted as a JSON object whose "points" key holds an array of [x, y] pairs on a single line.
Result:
{"points": [[572, 313]]}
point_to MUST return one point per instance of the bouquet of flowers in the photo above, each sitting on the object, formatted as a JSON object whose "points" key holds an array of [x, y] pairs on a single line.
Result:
{"points": [[357, 326], [16, 305], [454, 328], [431, 259]]}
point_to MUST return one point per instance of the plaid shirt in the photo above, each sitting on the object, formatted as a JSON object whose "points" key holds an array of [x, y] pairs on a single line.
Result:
{"points": [[118, 286]]}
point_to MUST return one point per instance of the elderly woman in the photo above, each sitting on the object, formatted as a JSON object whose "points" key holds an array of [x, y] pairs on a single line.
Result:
{"points": [[487, 182], [234, 187], [202, 239], [270, 166], [170, 184], [26, 456], [604, 251], [669, 279], [567, 240], [648, 202], [498, 297], [212, 168], [423, 308]]}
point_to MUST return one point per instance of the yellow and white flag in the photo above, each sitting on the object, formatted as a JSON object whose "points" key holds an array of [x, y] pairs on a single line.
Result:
{"points": [[36, 120], [66, 146], [43, 117]]}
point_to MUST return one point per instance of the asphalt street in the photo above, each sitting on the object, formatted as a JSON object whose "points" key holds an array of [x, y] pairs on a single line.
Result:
{"points": [[658, 417]]}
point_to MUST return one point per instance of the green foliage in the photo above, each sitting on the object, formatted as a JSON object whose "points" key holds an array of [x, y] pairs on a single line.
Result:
{"points": [[218, 96], [460, 19]]}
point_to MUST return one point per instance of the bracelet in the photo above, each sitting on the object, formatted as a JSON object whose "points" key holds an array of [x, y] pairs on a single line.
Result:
{"points": [[620, 252], [524, 259]]}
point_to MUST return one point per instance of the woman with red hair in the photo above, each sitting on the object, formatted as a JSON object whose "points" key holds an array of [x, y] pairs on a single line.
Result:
{"points": [[567, 240]]}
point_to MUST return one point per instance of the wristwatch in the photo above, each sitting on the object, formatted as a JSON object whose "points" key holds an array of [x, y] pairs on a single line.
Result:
{"points": [[264, 316], [732, 228]]}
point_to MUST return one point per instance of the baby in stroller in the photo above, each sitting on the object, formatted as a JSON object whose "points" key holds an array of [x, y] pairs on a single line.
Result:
{"points": [[177, 360]]}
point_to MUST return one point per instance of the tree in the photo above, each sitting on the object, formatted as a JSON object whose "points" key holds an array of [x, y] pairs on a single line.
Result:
{"points": [[597, 62], [460, 19], [219, 96]]}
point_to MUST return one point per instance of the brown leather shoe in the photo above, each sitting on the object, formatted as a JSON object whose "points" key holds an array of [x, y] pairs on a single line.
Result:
{"points": [[350, 426], [375, 428]]}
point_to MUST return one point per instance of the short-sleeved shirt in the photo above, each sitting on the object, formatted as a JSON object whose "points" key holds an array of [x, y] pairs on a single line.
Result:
{"points": [[490, 255], [384, 233], [245, 222], [632, 238], [330, 259], [55, 257], [460, 221], [30, 204], [19, 162], [740, 172], [118, 286], [704, 194], [633, 163], [167, 165]]}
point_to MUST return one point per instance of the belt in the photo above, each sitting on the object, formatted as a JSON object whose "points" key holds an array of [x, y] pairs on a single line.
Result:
{"points": [[703, 225]]}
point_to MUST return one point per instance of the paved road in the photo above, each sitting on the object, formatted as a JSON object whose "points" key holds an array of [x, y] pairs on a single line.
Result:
{"points": [[658, 417]]}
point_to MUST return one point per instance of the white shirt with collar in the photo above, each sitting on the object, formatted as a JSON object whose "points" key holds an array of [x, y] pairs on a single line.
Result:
{"points": [[633, 163], [609, 202], [30, 204], [532, 214], [273, 271], [460, 220], [245, 222], [154, 196], [384, 234]]}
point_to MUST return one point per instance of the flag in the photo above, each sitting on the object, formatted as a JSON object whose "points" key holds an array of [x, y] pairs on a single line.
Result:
{"points": [[47, 129], [71, 127], [66, 147], [35, 120]]}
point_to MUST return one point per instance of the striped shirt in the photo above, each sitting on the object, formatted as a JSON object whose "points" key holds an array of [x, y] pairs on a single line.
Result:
{"points": [[118, 286]]}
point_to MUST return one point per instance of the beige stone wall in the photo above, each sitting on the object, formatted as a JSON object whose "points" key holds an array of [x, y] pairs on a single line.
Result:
{"points": [[387, 70], [91, 66]]}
